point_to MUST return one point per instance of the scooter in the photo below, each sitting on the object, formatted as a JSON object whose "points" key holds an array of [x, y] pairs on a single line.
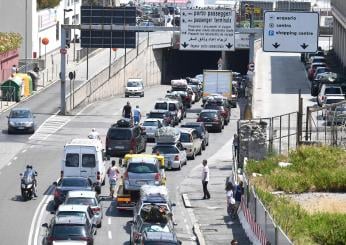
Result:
{"points": [[27, 187]]}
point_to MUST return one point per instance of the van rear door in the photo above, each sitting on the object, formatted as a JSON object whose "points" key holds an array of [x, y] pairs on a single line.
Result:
{"points": [[89, 162], [72, 163]]}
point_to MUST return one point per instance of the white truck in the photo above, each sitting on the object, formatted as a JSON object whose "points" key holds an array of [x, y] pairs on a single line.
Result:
{"points": [[217, 82]]}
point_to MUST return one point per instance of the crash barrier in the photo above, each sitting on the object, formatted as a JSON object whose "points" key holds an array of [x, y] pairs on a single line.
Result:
{"points": [[142, 62], [259, 219], [326, 125]]}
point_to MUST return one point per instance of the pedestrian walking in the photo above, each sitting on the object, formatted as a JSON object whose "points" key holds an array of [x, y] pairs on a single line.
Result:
{"points": [[112, 173], [239, 192], [137, 115], [230, 199], [235, 145], [205, 180], [127, 110]]}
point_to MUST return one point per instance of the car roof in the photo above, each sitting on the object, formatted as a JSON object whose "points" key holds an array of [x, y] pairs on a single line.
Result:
{"points": [[74, 177], [151, 120], [333, 97], [68, 242], [78, 220], [135, 80], [160, 236], [318, 57], [158, 111], [85, 142], [21, 109], [165, 100], [318, 63], [86, 194], [151, 160], [73, 207]]}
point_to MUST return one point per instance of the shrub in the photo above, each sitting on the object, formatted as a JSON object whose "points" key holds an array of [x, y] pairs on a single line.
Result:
{"points": [[43, 4], [9, 41]]}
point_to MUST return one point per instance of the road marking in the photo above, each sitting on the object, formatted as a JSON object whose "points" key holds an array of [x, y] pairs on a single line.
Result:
{"points": [[15, 158], [109, 221], [49, 127], [23, 151], [38, 224], [8, 164], [110, 235], [33, 222]]}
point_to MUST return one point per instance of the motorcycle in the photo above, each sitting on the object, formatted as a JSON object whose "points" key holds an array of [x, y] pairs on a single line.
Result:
{"points": [[27, 187]]}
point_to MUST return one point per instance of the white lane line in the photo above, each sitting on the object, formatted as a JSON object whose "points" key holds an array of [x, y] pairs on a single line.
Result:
{"points": [[32, 226], [110, 235], [23, 151], [15, 158], [109, 221], [38, 224], [8, 164]]}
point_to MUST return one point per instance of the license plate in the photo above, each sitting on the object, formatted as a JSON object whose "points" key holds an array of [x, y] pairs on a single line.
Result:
{"points": [[208, 124], [119, 147], [123, 199], [20, 127], [141, 182]]}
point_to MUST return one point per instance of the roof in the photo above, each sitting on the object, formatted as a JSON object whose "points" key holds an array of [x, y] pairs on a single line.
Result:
{"points": [[166, 100], [78, 220], [68, 242], [152, 119], [85, 142], [318, 57], [193, 123], [77, 208], [86, 194], [20, 109]]}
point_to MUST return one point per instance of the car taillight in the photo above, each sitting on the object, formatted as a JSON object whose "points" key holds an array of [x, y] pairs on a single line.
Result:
{"points": [[133, 144], [50, 240], [176, 158], [98, 176], [126, 175], [96, 210], [157, 176]]}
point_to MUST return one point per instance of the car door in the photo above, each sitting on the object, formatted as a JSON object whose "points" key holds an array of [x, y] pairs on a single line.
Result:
{"points": [[72, 161], [88, 167]]}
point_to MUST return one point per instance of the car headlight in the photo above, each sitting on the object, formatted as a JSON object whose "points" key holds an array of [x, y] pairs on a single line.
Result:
{"points": [[12, 123], [29, 124]]}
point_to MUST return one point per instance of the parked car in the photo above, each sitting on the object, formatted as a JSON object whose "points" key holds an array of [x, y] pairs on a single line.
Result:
{"points": [[174, 153], [122, 138], [20, 120], [212, 119], [166, 116], [327, 90], [134, 87], [150, 126], [221, 106], [185, 97], [88, 198], [201, 131], [191, 142], [312, 69], [69, 228], [66, 184]]}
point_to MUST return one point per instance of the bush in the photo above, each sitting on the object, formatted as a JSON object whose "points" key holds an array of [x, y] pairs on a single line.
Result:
{"points": [[9, 41], [43, 4]]}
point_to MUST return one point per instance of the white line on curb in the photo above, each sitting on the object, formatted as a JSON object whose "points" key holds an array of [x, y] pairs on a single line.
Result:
{"points": [[8, 164], [110, 235], [109, 221], [23, 151], [15, 158]]}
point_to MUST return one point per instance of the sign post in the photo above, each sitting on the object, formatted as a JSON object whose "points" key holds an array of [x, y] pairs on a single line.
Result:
{"points": [[207, 29], [295, 32]]}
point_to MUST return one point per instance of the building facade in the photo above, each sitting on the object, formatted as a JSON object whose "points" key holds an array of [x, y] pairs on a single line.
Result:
{"points": [[339, 29], [24, 17]]}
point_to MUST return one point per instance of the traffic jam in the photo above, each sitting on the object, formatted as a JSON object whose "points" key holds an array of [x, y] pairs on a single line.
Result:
{"points": [[135, 174]]}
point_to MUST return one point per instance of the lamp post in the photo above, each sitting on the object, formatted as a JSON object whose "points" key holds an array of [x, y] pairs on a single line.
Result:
{"points": [[26, 34], [66, 10]]}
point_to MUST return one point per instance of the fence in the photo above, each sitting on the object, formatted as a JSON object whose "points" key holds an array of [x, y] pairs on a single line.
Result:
{"points": [[7, 96]]}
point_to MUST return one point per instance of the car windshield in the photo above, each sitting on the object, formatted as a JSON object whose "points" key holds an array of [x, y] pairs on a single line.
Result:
{"points": [[155, 228], [68, 231], [318, 65], [150, 123], [133, 84], [319, 60], [322, 70], [333, 90], [71, 213], [166, 149], [120, 134], [20, 114], [208, 114], [74, 182], [333, 101], [185, 137], [81, 201], [161, 106], [142, 168], [156, 115]]}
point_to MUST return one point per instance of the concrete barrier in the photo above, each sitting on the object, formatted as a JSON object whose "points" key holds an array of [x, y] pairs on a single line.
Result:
{"points": [[142, 62]]}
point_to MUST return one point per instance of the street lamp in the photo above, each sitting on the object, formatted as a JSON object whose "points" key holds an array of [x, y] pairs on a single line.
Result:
{"points": [[66, 10]]}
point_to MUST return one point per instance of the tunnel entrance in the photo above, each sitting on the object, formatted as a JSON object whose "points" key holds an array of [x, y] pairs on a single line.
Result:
{"points": [[180, 64]]}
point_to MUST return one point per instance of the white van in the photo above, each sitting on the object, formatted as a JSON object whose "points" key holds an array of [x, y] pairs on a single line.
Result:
{"points": [[84, 158]]}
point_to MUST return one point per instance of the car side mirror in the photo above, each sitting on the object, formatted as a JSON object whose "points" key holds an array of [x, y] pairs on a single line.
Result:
{"points": [[55, 183], [45, 225]]}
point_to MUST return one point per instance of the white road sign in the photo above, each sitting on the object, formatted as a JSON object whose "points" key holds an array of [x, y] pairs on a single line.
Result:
{"points": [[290, 31], [242, 41], [207, 29]]}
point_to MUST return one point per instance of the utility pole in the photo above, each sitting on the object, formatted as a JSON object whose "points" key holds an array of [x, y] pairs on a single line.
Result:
{"points": [[26, 34], [63, 72]]}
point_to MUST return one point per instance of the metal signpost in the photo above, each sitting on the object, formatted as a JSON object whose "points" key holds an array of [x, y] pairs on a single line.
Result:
{"points": [[295, 32], [207, 29]]}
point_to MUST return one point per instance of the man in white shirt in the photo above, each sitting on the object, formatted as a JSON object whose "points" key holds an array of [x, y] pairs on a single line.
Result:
{"points": [[205, 180], [94, 134], [113, 173]]}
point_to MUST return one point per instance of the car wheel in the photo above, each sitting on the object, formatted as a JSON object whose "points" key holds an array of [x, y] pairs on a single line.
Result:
{"points": [[200, 151], [193, 155], [203, 145], [126, 95], [9, 131], [179, 168], [223, 126], [219, 130]]}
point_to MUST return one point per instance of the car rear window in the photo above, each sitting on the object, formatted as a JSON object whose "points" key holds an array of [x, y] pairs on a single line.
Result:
{"points": [[81, 201], [155, 228], [208, 114], [333, 101], [69, 231], [74, 182], [88, 161], [156, 115], [72, 160], [166, 149], [150, 123], [161, 106], [142, 168], [71, 213], [184, 137], [120, 134], [333, 90], [198, 128]]}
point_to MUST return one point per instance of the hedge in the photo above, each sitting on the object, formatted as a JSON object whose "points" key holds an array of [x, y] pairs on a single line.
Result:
{"points": [[9, 41]]}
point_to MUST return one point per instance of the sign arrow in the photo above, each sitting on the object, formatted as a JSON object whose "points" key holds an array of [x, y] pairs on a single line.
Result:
{"points": [[304, 45], [276, 45], [229, 45], [184, 45]]}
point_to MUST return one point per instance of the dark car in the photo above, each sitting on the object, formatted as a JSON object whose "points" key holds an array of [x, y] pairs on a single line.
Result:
{"points": [[69, 228], [201, 130], [21, 120], [220, 106], [212, 119], [159, 238], [122, 138], [66, 184], [162, 114]]}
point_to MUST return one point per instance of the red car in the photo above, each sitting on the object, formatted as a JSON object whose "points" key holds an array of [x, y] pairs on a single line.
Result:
{"points": [[313, 68]]}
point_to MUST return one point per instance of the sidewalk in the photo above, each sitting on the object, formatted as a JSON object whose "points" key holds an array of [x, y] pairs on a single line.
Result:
{"points": [[211, 216]]}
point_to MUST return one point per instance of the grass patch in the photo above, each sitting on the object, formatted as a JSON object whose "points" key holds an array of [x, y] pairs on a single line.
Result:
{"points": [[313, 169]]}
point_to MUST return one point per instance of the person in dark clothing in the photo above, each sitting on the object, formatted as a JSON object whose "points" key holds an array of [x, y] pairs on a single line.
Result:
{"points": [[238, 192], [127, 110]]}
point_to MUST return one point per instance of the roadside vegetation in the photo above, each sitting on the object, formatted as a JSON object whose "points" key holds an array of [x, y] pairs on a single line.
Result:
{"points": [[43, 4], [313, 169], [9, 41]]}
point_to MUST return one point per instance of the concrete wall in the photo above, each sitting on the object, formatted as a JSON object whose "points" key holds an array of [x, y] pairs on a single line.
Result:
{"points": [[339, 30], [145, 63]]}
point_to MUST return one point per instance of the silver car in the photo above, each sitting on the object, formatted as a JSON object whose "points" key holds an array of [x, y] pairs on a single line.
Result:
{"points": [[21, 120], [151, 125], [174, 153], [191, 142]]}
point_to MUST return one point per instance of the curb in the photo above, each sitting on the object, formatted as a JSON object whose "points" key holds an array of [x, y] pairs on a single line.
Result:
{"points": [[186, 201], [198, 233]]}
